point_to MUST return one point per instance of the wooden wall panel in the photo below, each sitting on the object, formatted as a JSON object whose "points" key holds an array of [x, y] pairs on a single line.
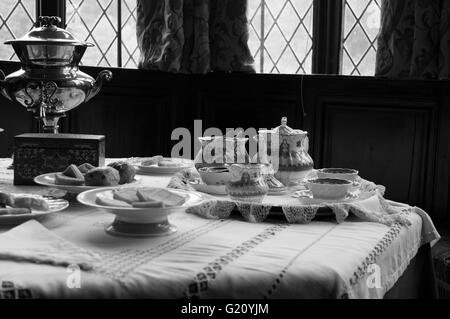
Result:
{"points": [[390, 142], [14, 119], [138, 127], [225, 111]]}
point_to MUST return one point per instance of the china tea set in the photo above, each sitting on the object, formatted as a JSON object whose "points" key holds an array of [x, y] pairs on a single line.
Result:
{"points": [[281, 166]]}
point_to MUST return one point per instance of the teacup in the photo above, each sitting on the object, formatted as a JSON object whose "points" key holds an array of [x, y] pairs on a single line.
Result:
{"points": [[329, 188], [247, 183], [339, 173], [219, 175]]}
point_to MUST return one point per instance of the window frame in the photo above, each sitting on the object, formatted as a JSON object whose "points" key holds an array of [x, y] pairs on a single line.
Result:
{"points": [[52, 8], [328, 19]]}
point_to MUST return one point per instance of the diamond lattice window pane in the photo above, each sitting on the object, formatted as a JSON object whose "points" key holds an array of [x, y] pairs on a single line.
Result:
{"points": [[16, 18], [361, 27], [95, 21], [281, 35], [130, 50]]}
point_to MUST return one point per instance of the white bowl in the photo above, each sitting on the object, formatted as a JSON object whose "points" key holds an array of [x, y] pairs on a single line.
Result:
{"points": [[340, 173], [215, 175], [329, 188]]}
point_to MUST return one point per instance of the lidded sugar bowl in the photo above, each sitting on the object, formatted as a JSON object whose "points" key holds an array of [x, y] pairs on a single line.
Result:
{"points": [[286, 149], [49, 82]]}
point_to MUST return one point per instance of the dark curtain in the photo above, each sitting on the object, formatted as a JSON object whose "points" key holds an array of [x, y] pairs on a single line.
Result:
{"points": [[414, 39], [193, 36]]}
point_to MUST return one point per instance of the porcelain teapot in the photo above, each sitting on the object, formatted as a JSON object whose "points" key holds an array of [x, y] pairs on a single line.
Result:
{"points": [[286, 149]]}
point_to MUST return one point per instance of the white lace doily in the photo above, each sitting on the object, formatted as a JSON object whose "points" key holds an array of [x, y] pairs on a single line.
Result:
{"points": [[370, 207]]}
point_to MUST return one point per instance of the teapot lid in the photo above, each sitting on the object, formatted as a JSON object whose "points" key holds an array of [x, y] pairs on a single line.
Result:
{"points": [[283, 129], [48, 33]]}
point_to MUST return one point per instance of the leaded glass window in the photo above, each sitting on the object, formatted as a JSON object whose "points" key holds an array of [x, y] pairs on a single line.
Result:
{"points": [[16, 18], [361, 26]]}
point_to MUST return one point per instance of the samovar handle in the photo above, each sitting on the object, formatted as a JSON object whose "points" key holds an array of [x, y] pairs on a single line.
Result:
{"points": [[3, 85], [2, 78], [98, 83]]}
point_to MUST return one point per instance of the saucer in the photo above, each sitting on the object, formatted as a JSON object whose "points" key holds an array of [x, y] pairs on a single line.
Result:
{"points": [[155, 169], [306, 198], [208, 189]]}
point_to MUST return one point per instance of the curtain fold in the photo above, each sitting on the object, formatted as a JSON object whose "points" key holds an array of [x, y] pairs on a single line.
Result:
{"points": [[193, 36], [414, 39]]}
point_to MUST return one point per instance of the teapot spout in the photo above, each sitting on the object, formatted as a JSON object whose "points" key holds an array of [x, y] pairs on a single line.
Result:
{"points": [[97, 85]]}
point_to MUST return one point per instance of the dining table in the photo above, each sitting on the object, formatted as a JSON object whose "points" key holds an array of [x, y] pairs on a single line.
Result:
{"points": [[210, 257]]}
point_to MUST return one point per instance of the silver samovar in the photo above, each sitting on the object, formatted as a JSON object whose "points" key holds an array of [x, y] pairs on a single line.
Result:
{"points": [[49, 82]]}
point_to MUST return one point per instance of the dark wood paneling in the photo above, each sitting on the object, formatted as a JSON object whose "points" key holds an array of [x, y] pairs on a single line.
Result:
{"points": [[14, 119], [140, 126], [389, 141], [221, 110]]}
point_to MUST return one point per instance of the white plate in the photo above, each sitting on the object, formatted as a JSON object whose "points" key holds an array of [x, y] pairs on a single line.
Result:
{"points": [[350, 198], [56, 205], [139, 222], [49, 180], [155, 169]]}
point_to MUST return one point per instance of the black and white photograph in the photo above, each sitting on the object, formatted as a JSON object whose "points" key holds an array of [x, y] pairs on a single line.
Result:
{"points": [[225, 154]]}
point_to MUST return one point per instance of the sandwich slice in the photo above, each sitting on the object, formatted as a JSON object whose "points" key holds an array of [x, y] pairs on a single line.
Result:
{"points": [[105, 201], [61, 179], [73, 171], [127, 195], [163, 195]]}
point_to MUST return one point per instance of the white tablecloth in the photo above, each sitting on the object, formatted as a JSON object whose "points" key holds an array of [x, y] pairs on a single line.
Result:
{"points": [[221, 258]]}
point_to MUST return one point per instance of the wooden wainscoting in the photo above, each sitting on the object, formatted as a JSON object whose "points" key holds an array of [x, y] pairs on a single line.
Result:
{"points": [[14, 118], [396, 132], [388, 140], [390, 130]]}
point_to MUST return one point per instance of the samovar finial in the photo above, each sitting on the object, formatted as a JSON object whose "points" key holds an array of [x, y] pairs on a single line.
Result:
{"points": [[48, 21]]}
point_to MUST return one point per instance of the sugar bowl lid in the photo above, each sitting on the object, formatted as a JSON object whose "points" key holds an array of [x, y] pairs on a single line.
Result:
{"points": [[48, 33], [283, 129]]}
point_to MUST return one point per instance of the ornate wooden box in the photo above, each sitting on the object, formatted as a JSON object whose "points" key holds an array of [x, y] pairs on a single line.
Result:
{"points": [[36, 154]]}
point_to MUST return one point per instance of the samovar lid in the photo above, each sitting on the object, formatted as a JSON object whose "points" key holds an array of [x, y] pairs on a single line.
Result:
{"points": [[48, 33]]}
